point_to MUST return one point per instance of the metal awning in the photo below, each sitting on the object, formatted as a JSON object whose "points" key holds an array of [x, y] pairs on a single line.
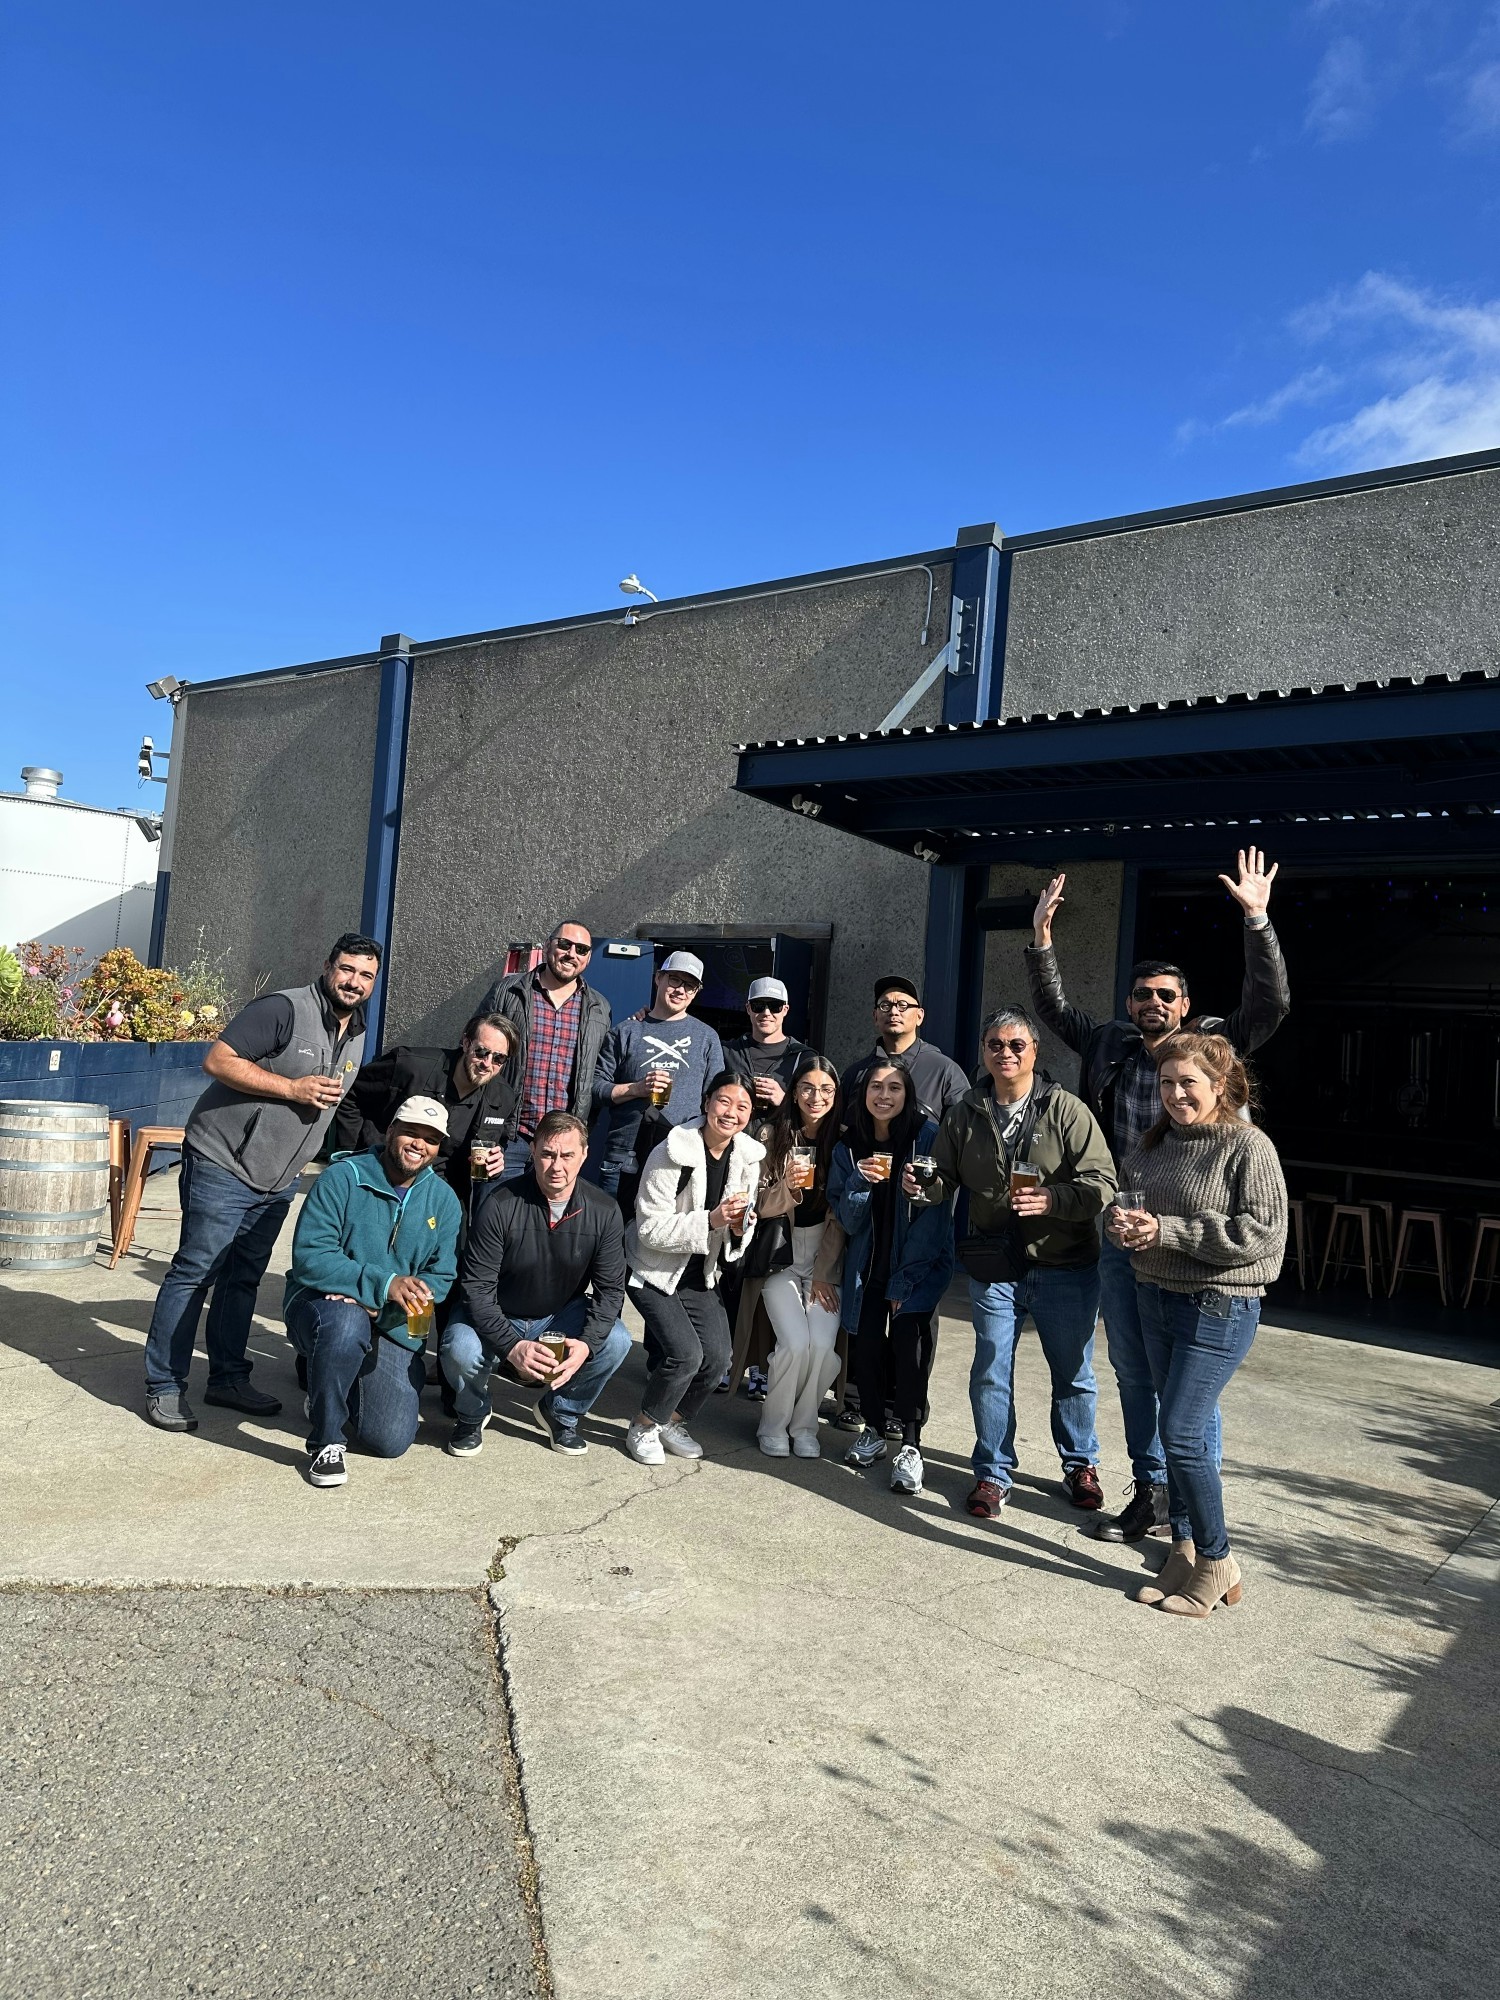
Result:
{"points": [[1392, 766]]}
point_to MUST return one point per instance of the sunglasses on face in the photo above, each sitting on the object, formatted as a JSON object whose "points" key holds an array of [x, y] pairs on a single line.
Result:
{"points": [[495, 1056], [1017, 1046], [766, 1006], [572, 947], [1167, 993]]}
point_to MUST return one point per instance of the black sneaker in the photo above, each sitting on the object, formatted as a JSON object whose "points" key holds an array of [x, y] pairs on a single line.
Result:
{"points": [[243, 1396], [849, 1419], [564, 1436], [467, 1440], [1145, 1510], [326, 1468]]}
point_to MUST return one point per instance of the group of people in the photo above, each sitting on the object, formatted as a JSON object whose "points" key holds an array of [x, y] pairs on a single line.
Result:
{"points": [[489, 1208]]}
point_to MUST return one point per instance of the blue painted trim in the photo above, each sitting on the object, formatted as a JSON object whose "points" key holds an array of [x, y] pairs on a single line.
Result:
{"points": [[382, 848], [954, 962], [969, 690], [158, 942]]}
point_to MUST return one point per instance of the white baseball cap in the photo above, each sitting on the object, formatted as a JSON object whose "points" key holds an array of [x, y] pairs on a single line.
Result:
{"points": [[768, 989], [684, 961], [423, 1111]]}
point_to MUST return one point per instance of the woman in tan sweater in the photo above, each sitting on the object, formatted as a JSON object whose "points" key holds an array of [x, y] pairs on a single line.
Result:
{"points": [[1208, 1234]]}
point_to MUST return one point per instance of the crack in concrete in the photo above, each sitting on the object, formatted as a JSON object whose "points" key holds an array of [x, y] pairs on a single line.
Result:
{"points": [[1459, 1546]]}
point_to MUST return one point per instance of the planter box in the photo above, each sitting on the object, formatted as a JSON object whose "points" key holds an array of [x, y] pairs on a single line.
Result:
{"points": [[150, 1083]]}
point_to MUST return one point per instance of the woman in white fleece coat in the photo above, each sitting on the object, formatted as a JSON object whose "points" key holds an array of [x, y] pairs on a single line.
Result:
{"points": [[694, 1213]]}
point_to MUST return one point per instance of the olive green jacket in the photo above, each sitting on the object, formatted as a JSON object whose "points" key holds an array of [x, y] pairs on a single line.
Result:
{"points": [[1060, 1135]]}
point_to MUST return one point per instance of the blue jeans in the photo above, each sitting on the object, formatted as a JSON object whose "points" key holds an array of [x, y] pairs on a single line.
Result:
{"points": [[1194, 1350], [1126, 1345], [355, 1375], [228, 1233], [1064, 1306], [517, 1160], [468, 1363]]}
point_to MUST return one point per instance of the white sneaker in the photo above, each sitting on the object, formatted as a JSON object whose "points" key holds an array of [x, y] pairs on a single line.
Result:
{"points": [[676, 1439], [774, 1444], [906, 1470], [806, 1446], [643, 1442]]}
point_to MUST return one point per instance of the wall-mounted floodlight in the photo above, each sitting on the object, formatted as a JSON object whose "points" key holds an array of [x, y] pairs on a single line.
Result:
{"points": [[805, 805], [168, 688], [924, 853]]}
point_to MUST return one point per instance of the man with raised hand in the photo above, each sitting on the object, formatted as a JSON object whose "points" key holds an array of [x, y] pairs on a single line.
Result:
{"points": [[1117, 1081]]}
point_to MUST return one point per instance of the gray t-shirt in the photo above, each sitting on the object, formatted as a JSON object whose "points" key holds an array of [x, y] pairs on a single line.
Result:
{"points": [[1008, 1117]]}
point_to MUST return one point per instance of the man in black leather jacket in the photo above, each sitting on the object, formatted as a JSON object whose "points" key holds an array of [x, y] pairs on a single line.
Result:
{"points": [[1117, 1081]]}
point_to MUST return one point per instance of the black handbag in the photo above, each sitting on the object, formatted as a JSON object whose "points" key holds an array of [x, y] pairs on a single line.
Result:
{"points": [[770, 1247]]}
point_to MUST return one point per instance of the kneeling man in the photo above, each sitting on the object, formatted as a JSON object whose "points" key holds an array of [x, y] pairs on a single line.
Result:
{"points": [[376, 1247], [544, 1271]]}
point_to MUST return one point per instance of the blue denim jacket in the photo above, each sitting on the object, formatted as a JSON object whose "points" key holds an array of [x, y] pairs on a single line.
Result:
{"points": [[921, 1245]]}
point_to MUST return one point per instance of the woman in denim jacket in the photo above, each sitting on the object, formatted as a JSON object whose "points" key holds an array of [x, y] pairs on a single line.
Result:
{"points": [[897, 1265]]}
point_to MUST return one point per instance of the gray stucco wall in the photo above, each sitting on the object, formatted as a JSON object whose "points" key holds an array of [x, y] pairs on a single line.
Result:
{"points": [[1085, 932], [1357, 586], [588, 774], [272, 819]]}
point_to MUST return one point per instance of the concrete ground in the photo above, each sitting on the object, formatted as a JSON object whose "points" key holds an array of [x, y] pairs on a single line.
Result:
{"points": [[775, 1729]]}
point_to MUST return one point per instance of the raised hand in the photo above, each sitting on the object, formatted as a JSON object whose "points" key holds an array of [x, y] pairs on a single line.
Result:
{"points": [[1046, 903], [1253, 889]]}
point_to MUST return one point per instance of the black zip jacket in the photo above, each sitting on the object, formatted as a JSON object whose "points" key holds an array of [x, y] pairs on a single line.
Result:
{"points": [[511, 996], [1106, 1046], [519, 1264], [383, 1086]]}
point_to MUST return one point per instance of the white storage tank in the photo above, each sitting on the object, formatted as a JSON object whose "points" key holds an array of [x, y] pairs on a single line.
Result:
{"points": [[73, 874]]}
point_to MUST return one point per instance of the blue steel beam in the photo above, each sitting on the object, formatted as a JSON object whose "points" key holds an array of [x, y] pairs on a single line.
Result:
{"points": [[383, 842]]}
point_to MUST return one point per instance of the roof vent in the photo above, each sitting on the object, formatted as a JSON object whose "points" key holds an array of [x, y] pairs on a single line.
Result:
{"points": [[40, 783]]}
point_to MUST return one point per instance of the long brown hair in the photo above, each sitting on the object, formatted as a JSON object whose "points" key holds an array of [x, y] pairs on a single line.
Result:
{"points": [[786, 1127], [1218, 1061]]}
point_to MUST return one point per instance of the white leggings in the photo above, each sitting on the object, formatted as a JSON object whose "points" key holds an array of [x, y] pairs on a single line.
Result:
{"points": [[803, 1363]]}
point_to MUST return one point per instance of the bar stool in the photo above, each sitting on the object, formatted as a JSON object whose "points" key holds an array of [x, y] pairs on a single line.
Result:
{"points": [[1421, 1218], [1297, 1240], [1486, 1230], [1317, 1204], [1345, 1213], [145, 1142]]}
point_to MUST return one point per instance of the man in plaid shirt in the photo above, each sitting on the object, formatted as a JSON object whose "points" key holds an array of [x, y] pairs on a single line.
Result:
{"points": [[561, 1023]]}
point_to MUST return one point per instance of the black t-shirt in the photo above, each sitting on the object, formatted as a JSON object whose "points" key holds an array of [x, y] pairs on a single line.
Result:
{"points": [[694, 1278]]}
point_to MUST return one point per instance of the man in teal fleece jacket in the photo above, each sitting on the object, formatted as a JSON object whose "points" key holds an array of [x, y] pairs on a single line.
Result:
{"points": [[376, 1247]]}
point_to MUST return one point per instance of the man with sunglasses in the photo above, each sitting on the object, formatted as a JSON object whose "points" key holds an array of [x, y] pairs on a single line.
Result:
{"points": [[561, 1023], [476, 1084], [767, 1057], [1117, 1081], [664, 1046], [898, 1016]]}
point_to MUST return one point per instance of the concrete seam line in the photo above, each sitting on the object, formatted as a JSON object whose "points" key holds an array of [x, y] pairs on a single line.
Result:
{"points": [[527, 1872]]}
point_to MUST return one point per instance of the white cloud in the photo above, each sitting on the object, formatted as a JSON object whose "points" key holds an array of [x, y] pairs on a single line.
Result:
{"points": [[1418, 373], [1343, 92]]}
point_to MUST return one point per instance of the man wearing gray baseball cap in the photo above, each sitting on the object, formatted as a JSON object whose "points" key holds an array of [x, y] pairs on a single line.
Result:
{"points": [[767, 1057], [654, 1068], [376, 1247]]}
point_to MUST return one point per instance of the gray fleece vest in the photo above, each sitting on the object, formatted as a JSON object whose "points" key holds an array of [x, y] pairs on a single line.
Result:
{"points": [[268, 1144]]}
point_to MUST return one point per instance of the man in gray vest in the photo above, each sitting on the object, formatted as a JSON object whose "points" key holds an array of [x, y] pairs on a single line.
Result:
{"points": [[279, 1070]]}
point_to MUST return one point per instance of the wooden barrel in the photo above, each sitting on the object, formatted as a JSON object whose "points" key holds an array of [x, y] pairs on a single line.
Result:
{"points": [[54, 1183]]}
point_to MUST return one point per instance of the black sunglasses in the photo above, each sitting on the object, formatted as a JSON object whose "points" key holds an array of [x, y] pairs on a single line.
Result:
{"points": [[1167, 993], [995, 1047], [572, 945], [766, 1006]]}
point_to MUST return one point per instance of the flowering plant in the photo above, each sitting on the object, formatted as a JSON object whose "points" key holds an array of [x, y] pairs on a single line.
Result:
{"points": [[52, 993]]}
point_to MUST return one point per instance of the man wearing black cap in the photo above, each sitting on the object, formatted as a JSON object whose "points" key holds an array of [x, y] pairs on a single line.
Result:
{"points": [[898, 1016]]}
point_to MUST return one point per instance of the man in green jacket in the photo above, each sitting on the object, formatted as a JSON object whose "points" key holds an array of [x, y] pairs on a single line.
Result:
{"points": [[1031, 1250], [376, 1247]]}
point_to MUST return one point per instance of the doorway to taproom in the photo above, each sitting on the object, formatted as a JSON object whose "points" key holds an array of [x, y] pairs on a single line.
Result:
{"points": [[734, 955]]}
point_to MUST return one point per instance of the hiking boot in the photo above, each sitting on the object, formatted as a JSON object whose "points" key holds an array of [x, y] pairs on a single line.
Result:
{"points": [[1081, 1484], [326, 1468], [865, 1450], [987, 1499], [171, 1412], [1146, 1509]]}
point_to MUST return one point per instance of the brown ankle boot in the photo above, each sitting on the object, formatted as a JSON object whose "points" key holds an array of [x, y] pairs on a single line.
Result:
{"points": [[1212, 1583], [1176, 1573]]}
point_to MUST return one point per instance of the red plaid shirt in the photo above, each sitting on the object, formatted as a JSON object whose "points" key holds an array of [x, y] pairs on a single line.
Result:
{"points": [[552, 1039]]}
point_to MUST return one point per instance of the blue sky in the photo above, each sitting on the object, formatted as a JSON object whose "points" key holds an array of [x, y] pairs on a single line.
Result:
{"points": [[325, 320]]}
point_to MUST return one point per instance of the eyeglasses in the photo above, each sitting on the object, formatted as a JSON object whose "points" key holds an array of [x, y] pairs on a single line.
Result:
{"points": [[1167, 993], [894, 1006], [679, 981], [573, 948], [1018, 1045], [495, 1056], [767, 1006]]}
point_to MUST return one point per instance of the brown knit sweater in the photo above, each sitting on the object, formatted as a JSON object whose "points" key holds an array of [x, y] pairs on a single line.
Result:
{"points": [[1218, 1193]]}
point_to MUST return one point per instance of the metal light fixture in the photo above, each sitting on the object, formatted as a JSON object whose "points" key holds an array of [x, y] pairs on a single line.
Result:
{"points": [[633, 587], [168, 688]]}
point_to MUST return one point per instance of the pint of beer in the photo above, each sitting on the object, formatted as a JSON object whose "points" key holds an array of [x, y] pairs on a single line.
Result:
{"points": [[479, 1169], [419, 1321], [556, 1346], [804, 1165], [1024, 1177], [880, 1166], [661, 1090]]}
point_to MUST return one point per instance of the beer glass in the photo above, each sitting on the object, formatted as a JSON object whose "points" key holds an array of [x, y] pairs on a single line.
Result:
{"points": [[479, 1166], [419, 1322], [924, 1170], [1024, 1178], [804, 1163], [556, 1345], [661, 1090], [880, 1166]]}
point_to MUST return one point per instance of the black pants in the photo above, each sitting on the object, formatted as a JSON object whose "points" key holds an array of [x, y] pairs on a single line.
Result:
{"points": [[688, 1344], [891, 1362]]}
